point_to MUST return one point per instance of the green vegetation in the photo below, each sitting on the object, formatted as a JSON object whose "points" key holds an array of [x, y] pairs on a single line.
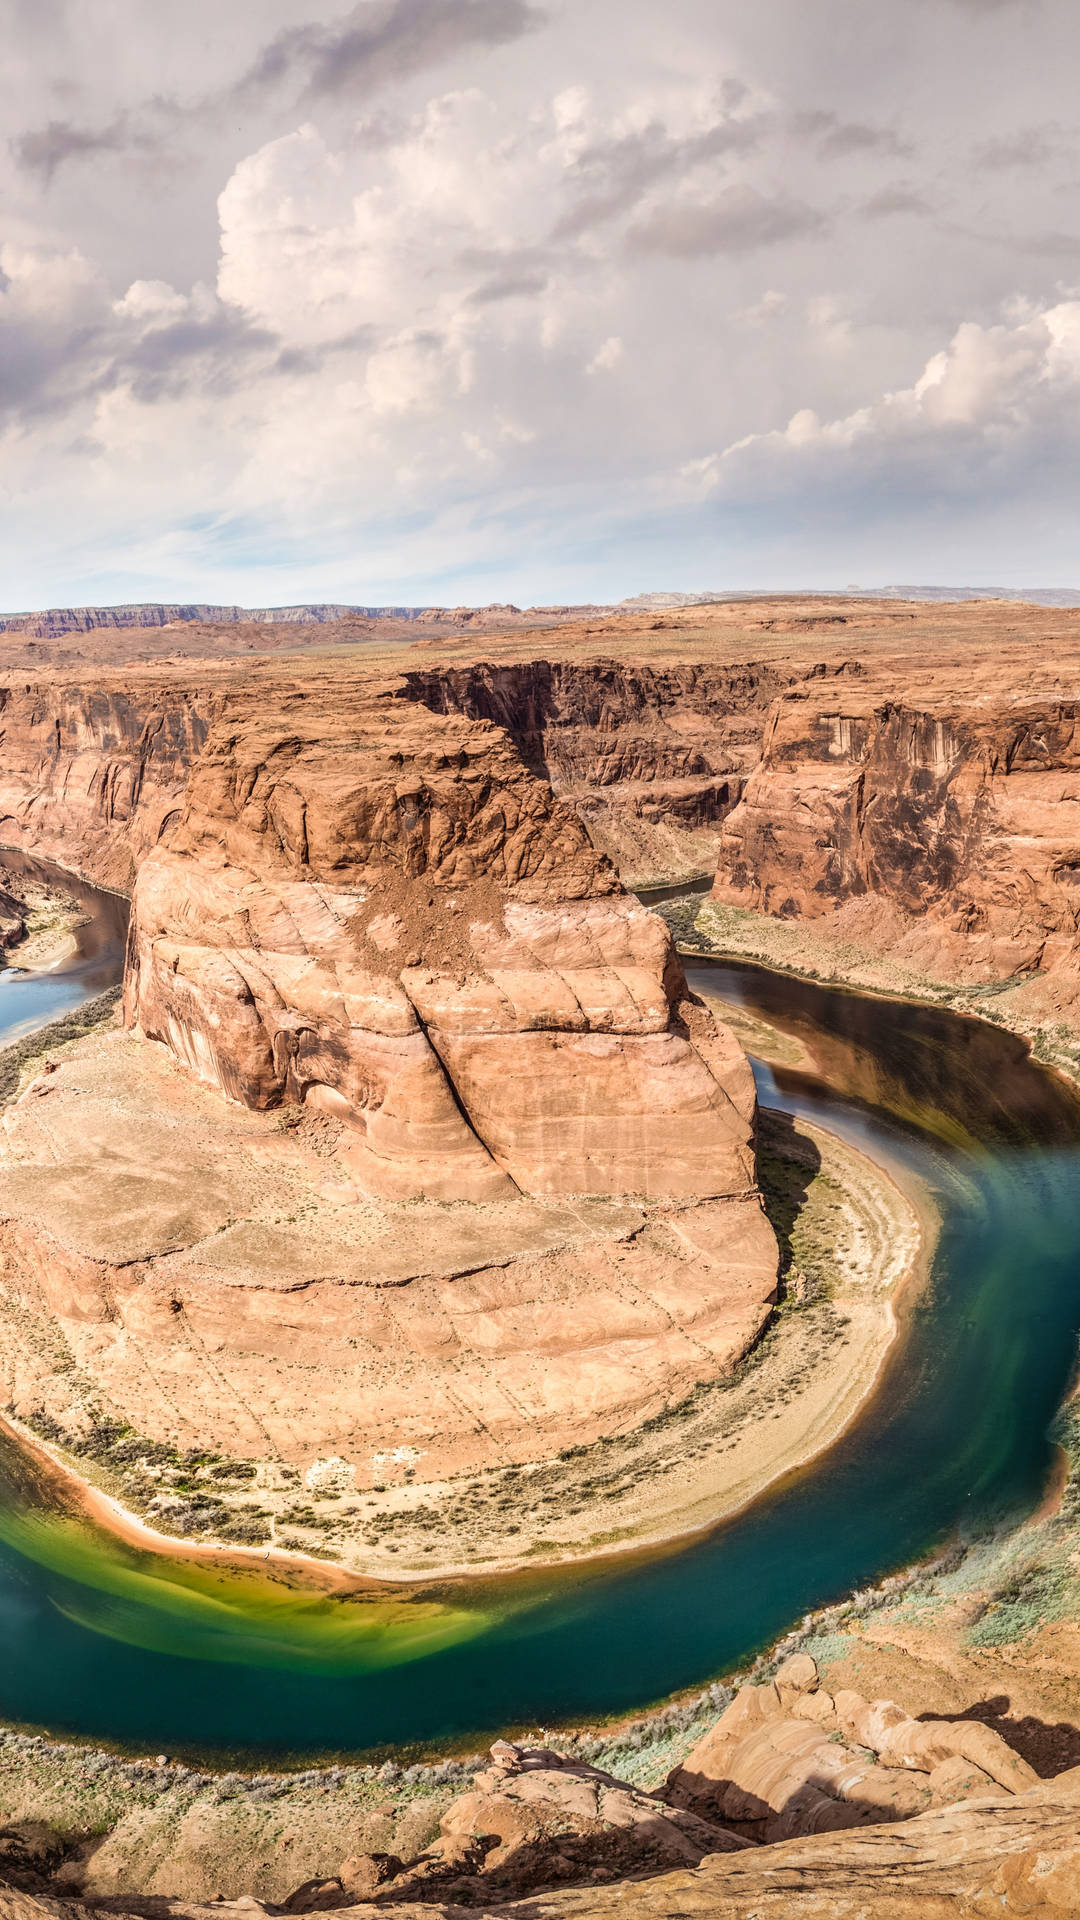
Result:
{"points": [[24, 1058], [180, 1490]]}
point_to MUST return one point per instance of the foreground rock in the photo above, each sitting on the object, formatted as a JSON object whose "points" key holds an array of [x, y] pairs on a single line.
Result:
{"points": [[788, 1759], [534, 1819]]}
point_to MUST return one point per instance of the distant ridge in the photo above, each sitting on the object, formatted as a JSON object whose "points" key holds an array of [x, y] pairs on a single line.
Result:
{"points": [[53, 623], [1027, 596]]}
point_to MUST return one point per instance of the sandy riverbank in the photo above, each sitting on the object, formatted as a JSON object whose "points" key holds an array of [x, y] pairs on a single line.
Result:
{"points": [[50, 939]]}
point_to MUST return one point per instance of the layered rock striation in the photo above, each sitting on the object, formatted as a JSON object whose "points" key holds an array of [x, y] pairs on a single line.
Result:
{"points": [[381, 913], [962, 813], [93, 776], [652, 757]]}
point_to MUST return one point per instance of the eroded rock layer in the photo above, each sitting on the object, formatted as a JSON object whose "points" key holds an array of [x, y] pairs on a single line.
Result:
{"points": [[960, 810], [383, 913], [93, 776]]}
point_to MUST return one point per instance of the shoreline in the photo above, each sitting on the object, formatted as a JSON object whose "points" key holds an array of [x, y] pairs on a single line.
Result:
{"points": [[821, 965], [50, 931]]}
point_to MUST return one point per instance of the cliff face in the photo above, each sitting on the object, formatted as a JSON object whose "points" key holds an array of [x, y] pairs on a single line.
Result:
{"points": [[963, 812], [383, 913], [92, 778], [653, 758]]}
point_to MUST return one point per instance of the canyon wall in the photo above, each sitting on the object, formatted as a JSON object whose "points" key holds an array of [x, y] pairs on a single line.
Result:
{"points": [[92, 776], [653, 758], [961, 814]]}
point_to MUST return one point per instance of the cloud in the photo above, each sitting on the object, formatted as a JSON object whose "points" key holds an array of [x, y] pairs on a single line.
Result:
{"points": [[772, 304], [507, 286], [64, 341], [44, 149], [737, 220], [353, 285], [893, 200], [1027, 147], [838, 139], [993, 394], [610, 176], [607, 357], [375, 44]]}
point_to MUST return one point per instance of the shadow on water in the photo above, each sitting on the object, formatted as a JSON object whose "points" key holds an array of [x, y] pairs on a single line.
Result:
{"points": [[110, 1641], [787, 1163]]}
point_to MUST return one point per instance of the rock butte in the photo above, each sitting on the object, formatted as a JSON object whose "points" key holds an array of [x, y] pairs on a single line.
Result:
{"points": [[348, 904]]}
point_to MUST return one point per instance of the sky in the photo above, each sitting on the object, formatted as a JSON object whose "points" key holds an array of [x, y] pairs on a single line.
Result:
{"points": [[460, 301]]}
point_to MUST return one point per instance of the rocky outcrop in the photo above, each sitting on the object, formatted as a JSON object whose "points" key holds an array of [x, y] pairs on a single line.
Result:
{"points": [[541, 1838], [383, 914], [93, 776], [533, 1820], [788, 1759], [963, 813], [205, 1274], [12, 920]]}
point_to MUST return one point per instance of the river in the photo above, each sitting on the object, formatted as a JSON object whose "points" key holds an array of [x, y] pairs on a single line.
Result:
{"points": [[30, 1000], [145, 1650]]}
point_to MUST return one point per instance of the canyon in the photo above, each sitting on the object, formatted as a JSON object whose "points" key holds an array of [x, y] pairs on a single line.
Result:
{"points": [[415, 1156], [380, 894]]}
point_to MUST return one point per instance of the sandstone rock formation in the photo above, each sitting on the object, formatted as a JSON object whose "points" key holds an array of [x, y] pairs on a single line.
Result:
{"points": [[189, 1265], [959, 809], [12, 919], [534, 1819], [787, 1759], [539, 1839], [382, 913], [653, 758], [91, 776]]}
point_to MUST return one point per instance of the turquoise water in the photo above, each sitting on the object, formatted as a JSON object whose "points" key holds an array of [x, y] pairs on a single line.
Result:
{"points": [[102, 1639], [30, 1000]]}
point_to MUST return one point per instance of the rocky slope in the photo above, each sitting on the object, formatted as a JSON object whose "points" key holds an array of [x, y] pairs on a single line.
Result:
{"points": [[794, 1801]]}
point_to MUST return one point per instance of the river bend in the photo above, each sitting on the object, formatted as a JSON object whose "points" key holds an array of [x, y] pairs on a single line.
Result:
{"points": [[104, 1640]]}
